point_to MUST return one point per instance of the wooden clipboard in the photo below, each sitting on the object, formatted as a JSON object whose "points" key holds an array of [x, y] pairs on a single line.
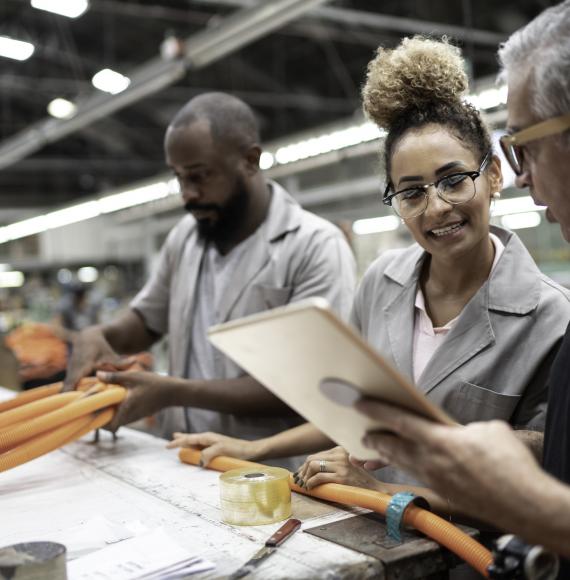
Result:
{"points": [[319, 366]]}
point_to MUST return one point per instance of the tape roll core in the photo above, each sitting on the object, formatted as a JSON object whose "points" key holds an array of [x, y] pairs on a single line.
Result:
{"points": [[255, 498]]}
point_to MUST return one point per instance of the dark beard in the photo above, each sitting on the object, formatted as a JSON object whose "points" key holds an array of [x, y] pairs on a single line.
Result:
{"points": [[230, 216]]}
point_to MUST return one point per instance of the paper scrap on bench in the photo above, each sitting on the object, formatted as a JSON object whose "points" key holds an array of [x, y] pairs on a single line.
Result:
{"points": [[148, 556], [91, 535]]}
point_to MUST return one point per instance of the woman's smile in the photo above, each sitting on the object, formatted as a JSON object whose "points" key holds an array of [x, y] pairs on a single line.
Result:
{"points": [[449, 230]]}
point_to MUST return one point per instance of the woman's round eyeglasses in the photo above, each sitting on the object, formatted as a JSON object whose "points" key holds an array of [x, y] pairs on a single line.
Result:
{"points": [[455, 188]]}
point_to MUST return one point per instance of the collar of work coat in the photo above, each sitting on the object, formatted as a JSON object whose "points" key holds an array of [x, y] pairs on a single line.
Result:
{"points": [[473, 332], [284, 215]]}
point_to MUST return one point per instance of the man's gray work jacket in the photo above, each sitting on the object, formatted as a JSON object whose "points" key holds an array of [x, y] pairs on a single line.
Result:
{"points": [[299, 255]]}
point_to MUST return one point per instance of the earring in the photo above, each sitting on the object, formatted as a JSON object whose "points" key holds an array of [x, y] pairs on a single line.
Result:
{"points": [[496, 195]]}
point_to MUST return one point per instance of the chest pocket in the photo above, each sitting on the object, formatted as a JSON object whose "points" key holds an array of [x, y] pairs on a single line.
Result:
{"points": [[263, 297], [468, 402]]}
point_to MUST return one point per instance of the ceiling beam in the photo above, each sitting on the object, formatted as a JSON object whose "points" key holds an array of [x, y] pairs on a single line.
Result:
{"points": [[49, 164], [349, 17], [201, 49], [345, 16]]}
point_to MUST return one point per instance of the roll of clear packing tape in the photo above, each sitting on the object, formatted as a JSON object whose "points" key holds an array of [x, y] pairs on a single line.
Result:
{"points": [[254, 497]]}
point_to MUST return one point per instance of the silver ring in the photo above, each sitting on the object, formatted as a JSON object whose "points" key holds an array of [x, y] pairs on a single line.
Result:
{"points": [[322, 466]]}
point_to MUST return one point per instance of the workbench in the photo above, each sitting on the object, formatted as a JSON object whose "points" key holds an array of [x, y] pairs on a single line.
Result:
{"points": [[135, 479]]}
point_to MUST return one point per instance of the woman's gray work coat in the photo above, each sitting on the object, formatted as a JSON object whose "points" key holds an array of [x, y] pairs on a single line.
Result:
{"points": [[494, 363]]}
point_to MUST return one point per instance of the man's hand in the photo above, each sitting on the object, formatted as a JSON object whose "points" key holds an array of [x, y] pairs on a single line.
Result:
{"points": [[90, 351], [214, 444], [97, 347], [482, 468], [147, 394]]}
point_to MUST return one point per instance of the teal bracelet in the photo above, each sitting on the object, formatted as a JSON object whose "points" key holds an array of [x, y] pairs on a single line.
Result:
{"points": [[395, 511]]}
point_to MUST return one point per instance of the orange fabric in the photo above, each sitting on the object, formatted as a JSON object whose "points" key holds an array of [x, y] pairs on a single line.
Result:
{"points": [[39, 351]]}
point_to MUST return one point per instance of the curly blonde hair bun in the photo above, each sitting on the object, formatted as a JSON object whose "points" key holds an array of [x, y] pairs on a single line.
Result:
{"points": [[418, 72]]}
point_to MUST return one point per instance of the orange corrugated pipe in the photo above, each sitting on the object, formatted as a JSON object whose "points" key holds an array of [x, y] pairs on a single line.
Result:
{"points": [[16, 434], [36, 408], [46, 442], [43, 392], [438, 529], [43, 419], [96, 421], [29, 396]]}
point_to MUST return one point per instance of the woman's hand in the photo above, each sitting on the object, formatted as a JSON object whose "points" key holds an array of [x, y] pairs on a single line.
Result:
{"points": [[214, 444], [334, 466]]}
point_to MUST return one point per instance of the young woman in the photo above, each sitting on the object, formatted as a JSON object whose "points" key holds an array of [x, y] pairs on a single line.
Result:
{"points": [[465, 312]]}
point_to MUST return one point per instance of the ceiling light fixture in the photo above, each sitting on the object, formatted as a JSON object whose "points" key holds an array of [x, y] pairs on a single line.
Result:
{"points": [[133, 197], [328, 142], [69, 8], [87, 274], [519, 221], [61, 109], [13, 279], [266, 160], [110, 81], [515, 205], [89, 209], [489, 98], [375, 225], [15, 49], [64, 276], [356, 134]]}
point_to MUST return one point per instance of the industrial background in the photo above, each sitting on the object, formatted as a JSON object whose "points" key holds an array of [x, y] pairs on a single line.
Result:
{"points": [[84, 192]]}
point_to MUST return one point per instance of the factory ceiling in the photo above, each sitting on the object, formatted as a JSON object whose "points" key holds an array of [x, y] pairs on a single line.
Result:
{"points": [[303, 74]]}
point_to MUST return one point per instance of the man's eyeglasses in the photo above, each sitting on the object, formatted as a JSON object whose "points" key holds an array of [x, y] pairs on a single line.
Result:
{"points": [[512, 145], [454, 189]]}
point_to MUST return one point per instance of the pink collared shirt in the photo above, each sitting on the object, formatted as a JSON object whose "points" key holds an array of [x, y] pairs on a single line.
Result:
{"points": [[427, 339]]}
